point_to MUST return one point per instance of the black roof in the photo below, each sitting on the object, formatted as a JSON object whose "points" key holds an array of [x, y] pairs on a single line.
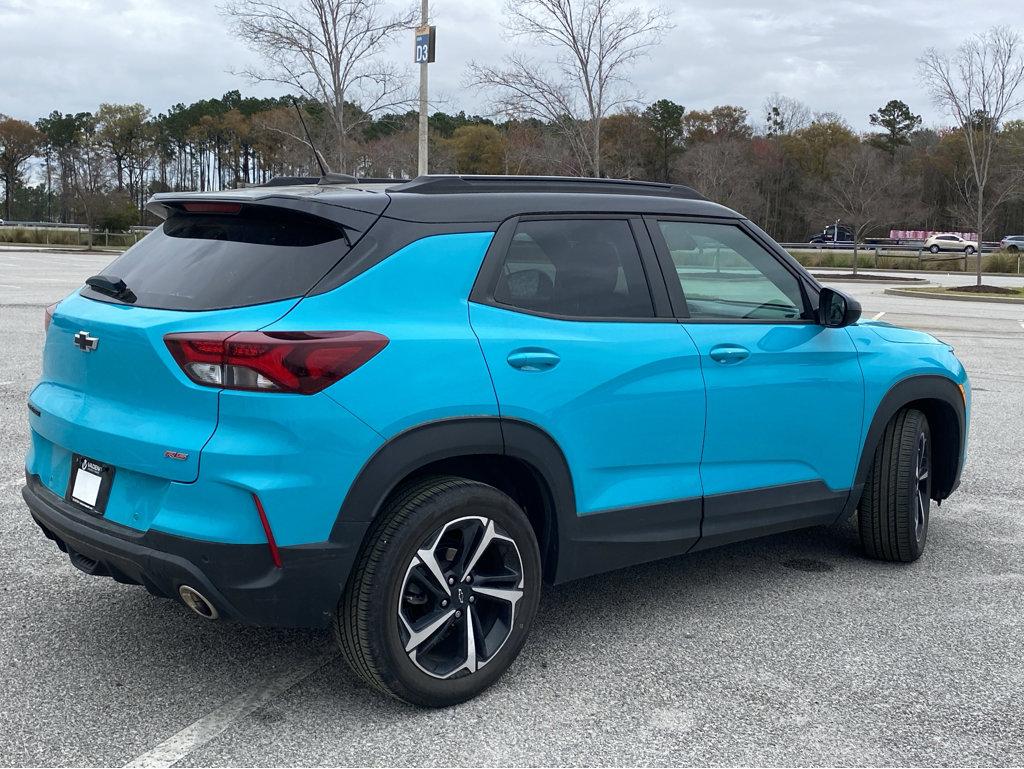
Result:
{"points": [[444, 184], [443, 199]]}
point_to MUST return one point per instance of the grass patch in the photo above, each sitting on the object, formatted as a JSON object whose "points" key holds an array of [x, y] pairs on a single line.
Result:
{"points": [[999, 263]]}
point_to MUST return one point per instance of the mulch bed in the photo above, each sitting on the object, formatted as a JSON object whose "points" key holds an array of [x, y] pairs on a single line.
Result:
{"points": [[861, 276], [984, 289]]}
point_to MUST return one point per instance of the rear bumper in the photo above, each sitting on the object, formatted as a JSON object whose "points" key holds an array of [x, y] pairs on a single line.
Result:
{"points": [[239, 580]]}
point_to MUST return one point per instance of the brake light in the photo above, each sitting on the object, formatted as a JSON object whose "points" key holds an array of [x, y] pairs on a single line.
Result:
{"points": [[302, 362], [212, 208], [48, 317]]}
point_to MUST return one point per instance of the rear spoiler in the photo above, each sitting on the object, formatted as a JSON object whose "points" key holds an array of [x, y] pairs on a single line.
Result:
{"points": [[354, 209]]}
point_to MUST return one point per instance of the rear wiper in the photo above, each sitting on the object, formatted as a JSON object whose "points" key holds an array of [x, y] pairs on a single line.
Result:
{"points": [[111, 286]]}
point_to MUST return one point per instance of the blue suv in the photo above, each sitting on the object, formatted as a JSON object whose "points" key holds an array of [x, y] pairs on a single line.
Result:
{"points": [[398, 410]]}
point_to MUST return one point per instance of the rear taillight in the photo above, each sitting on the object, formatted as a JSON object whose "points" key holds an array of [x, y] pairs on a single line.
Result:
{"points": [[48, 317], [287, 361]]}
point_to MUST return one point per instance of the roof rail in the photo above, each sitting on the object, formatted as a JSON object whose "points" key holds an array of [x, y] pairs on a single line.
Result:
{"points": [[451, 184]]}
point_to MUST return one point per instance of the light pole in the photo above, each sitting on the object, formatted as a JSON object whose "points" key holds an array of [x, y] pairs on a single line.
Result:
{"points": [[424, 55]]}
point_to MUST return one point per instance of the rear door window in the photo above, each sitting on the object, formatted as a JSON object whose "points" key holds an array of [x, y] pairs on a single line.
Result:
{"points": [[207, 261], [577, 268]]}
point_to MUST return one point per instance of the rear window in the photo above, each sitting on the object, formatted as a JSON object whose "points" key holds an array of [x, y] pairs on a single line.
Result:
{"points": [[199, 261], [582, 268]]}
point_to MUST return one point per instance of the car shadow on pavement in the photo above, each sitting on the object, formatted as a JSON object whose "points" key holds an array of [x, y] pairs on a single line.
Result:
{"points": [[154, 646]]}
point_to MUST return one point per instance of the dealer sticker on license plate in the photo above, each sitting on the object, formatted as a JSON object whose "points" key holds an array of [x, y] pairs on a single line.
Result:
{"points": [[89, 485]]}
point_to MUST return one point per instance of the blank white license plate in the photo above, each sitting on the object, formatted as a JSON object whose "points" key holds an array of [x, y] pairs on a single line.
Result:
{"points": [[90, 482]]}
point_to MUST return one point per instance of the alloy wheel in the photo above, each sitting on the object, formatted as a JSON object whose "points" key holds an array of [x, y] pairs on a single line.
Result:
{"points": [[457, 604], [922, 472]]}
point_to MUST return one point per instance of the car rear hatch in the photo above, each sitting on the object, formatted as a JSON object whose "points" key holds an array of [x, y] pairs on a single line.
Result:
{"points": [[124, 401], [111, 391]]}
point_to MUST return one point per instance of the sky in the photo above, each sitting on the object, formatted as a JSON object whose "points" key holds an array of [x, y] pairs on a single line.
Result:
{"points": [[840, 56]]}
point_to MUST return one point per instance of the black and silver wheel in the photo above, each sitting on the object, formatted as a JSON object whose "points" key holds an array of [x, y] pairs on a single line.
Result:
{"points": [[969, 250], [934, 249], [444, 593], [894, 508]]}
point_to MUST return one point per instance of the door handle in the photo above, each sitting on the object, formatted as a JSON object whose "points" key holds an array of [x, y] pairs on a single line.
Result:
{"points": [[533, 359], [729, 353]]}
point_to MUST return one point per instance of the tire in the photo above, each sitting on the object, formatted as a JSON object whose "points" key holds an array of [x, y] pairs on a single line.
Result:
{"points": [[969, 250], [934, 249], [392, 595], [894, 508], [1012, 249]]}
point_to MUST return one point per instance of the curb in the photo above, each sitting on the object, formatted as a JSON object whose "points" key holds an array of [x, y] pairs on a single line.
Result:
{"points": [[968, 274], [840, 278], [954, 297], [42, 249]]}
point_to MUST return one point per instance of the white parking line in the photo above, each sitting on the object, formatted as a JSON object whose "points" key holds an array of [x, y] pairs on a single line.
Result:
{"points": [[195, 735], [878, 315]]}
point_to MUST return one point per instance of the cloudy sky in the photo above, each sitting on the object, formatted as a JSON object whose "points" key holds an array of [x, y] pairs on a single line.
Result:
{"points": [[841, 56]]}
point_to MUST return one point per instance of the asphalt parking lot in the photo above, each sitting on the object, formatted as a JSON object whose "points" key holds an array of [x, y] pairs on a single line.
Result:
{"points": [[790, 650]]}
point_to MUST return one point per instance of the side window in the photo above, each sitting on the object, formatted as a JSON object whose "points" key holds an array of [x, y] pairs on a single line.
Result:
{"points": [[726, 274], [587, 268]]}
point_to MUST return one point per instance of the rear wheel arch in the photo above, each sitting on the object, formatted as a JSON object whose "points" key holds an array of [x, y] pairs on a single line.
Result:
{"points": [[516, 457], [941, 401]]}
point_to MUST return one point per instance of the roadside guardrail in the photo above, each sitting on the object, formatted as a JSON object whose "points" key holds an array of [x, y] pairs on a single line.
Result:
{"points": [[59, 233]]}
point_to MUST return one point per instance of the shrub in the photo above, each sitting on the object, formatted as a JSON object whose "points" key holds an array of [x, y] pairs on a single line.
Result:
{"points": [[1001, 262], [117, 219]]}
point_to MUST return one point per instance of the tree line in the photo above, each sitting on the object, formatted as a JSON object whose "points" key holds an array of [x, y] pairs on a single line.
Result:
{"points": [[570, 109], [789, 169]]}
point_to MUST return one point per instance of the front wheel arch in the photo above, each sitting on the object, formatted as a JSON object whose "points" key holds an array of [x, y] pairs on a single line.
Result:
{"points": [[941, 401]]}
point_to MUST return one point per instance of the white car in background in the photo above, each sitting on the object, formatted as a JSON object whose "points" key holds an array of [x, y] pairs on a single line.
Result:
{"points": [[950, 242], [1012, 243]]}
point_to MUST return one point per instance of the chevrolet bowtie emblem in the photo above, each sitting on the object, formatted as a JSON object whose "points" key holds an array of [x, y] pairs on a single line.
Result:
{"points": [[84, 342]]}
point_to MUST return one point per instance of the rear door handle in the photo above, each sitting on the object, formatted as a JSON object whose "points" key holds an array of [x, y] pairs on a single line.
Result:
{"points": [[533, 359], [729, 353]]}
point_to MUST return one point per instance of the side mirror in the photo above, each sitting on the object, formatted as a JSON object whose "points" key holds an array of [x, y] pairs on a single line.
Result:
{"points": [[836, 309]]}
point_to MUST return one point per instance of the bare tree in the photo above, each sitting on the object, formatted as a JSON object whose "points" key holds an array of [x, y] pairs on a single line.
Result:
{"points": [[866, 190], [720, 170], [596, 42], [980, 85], [784, 115], [330, 51]]}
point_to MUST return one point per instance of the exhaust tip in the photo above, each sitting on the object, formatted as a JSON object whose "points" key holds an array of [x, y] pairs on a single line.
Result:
{"points": [[198, 602]]}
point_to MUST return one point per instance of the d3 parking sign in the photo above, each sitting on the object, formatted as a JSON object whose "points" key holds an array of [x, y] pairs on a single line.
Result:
{"points": [[425, 37]]}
